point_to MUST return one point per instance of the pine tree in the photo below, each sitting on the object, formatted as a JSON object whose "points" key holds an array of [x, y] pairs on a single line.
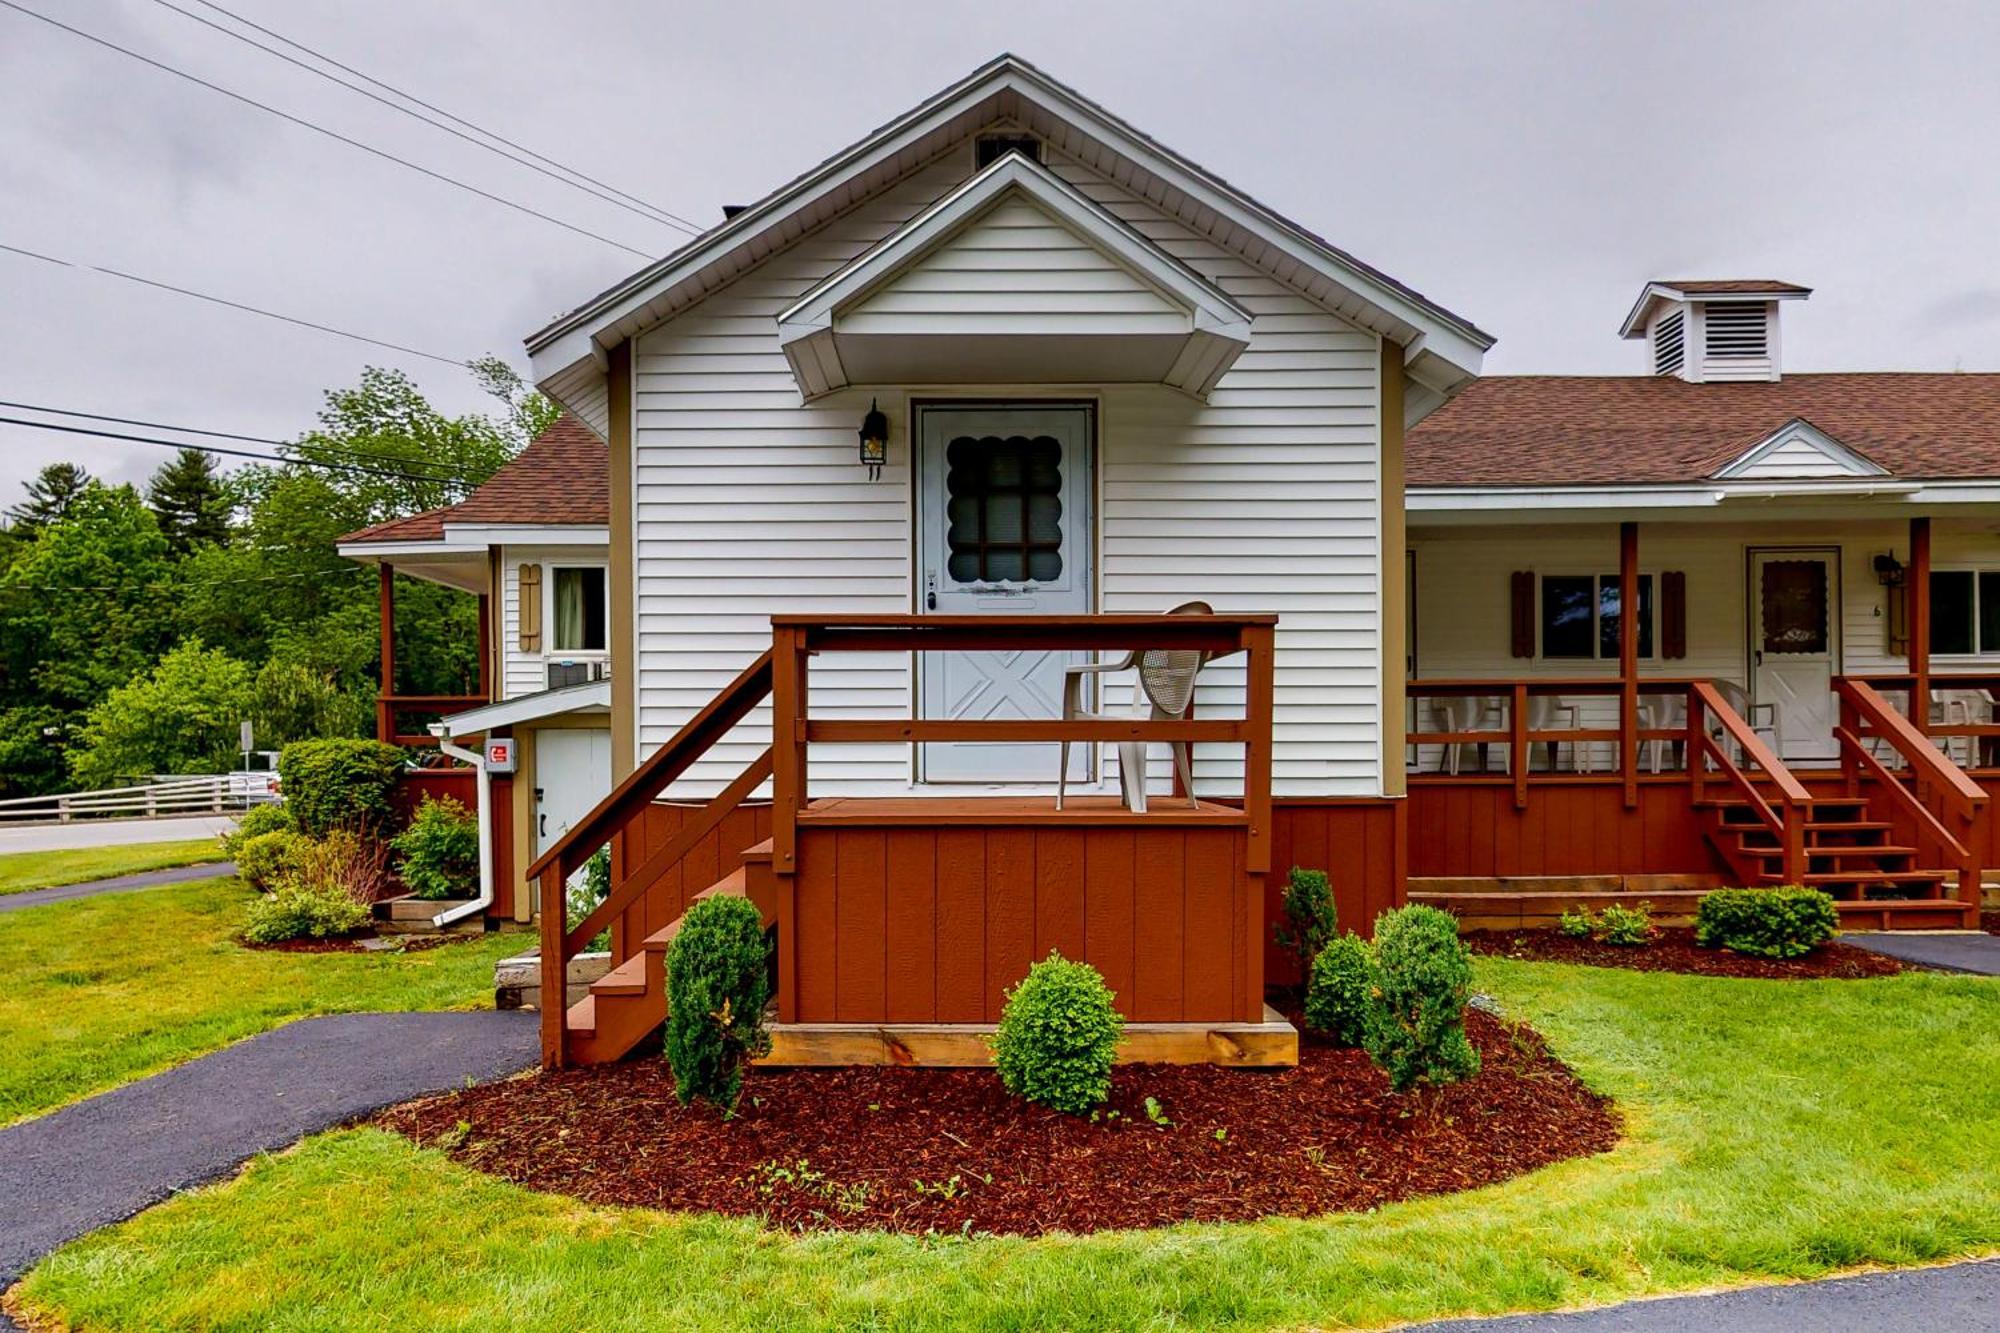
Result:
{"points": [[54, 489], [188, 498]]}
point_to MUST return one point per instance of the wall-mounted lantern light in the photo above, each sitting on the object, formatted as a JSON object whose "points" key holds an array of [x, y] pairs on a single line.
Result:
{"points": [[1889, 570], [874, 440]]}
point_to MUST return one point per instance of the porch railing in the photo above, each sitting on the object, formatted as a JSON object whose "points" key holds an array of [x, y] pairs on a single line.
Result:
{"points": [[1786, 820], [1931, 790], [394, 712]]}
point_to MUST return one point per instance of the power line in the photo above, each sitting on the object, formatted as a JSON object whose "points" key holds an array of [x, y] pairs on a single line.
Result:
{"points": [[233, 305], [520, 156], [353, 468], [303, 123], [441, 472]]}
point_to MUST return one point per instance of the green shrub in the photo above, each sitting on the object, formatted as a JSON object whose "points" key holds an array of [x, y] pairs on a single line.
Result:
{"points": [[1342, 990], [1058, 1036], [341, 783], [437, 856], [258, 819], [1631, 927], [297, 910], [1308, 921], [584, 892], [1766, 923], [718, 981], [262, 858], [1579, 924], [1416, 1032]]}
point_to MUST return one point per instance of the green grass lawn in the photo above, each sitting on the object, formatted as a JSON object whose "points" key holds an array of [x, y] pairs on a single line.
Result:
{"points": [[100, 991], [21, 871], [1776, 1130]]}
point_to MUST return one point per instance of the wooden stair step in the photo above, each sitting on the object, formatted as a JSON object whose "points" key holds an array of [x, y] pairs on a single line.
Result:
{"points": [[1861, 877], [733, 885], [628, 978], [1836, 853], [581, 1019]]}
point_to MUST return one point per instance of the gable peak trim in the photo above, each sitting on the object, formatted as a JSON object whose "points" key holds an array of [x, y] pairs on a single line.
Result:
{"points": [[1851, 462]]}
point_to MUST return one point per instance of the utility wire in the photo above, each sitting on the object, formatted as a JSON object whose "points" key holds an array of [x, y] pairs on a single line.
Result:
{"points": [[321, 129], [233, 305], [532, 161], [439, 472], [353, 468]]}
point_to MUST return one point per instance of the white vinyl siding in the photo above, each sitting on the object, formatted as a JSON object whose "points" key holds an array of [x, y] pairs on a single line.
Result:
{"points": [[1012, 268], [1798, 457], [1264, 498]]}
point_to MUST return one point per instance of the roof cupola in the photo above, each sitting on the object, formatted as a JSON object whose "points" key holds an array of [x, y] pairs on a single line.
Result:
{"points": [[1712, 330]]}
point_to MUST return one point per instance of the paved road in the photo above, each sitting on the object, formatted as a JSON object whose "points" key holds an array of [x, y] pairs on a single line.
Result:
{"points": [[144, 879], [1969, 951], [1958, 1299], [104, 1159], [113, 833]]}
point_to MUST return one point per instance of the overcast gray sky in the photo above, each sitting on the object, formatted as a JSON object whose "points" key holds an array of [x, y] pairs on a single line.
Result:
{"points": [[1528, 165]]}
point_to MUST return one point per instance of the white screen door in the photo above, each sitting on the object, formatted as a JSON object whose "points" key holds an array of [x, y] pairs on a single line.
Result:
{"points": [[1795, 646], [1004, 530]]}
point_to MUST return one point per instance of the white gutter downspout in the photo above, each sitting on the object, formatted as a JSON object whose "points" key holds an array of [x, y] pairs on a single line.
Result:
{"points": [[485, 898]]}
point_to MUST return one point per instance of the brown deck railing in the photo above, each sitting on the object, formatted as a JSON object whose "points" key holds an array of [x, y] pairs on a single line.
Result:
{"points": [[1938, 797], [394, 711], [1976, 691], [1786, 821]]}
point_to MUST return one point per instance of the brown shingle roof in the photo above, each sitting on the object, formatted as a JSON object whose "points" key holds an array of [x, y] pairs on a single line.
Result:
{"points": [[1730, 286], [564, 477], [1553, 430]]}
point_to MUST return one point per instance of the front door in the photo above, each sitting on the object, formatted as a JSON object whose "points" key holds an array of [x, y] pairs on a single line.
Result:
{"points": [[1795, 646], [1004, 500]]}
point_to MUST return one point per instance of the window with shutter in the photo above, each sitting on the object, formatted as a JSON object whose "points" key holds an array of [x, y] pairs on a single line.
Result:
{"points": [[531, 609]]}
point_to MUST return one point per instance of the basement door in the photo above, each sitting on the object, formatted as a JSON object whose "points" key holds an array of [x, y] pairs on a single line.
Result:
{"points": [[1795, 646], [572, 774], [1004, 529]]}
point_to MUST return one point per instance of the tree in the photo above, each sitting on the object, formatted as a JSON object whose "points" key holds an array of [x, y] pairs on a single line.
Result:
{"points": [[190, 502], [391, 453], [50, 495], [181, 717]]}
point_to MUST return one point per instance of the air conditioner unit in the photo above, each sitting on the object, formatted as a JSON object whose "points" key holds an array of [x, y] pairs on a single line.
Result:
{"points": [[576, 673]]}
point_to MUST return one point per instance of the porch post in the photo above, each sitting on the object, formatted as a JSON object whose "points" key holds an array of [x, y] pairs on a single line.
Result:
{"points": [[1917, 598], [385, 713], [1628, 659]]}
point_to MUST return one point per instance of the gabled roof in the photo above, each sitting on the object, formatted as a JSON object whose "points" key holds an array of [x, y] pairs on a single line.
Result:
{"points": [[562, 479], [1206, 329], [1800, 449], [568, 354], [1585, 430], [1710, 289]]}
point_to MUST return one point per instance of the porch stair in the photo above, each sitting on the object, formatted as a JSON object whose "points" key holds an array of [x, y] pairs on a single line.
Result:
{"points": [[629, 1003], [1874, 881]]}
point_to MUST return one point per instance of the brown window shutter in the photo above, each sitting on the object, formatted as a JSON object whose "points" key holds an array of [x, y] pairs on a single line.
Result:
{"points": [[1673, 615], [531, 608], [1522, 628]]}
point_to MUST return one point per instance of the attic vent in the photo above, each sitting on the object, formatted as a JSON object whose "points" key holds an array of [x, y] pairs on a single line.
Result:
{"points": [[1669, 343], [1737, 330], [993, 147]]}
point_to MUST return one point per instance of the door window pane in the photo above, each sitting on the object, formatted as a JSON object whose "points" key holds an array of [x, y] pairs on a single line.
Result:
{"points": [[1793, 596], [1003, 509], [1609, 621], [1566, 615], [1951, 611], [580, 611]]}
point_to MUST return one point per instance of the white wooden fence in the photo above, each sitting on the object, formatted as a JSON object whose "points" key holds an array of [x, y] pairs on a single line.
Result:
{"points": [[224, 793]]}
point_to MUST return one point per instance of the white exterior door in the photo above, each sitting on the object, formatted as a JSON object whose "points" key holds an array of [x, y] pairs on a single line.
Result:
{"points": [[1004, 529], [572, 774], [1795, 646]]}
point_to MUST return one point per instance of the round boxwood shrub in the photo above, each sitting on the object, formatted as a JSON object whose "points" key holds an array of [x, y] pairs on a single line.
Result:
{"points": [[340, 783], [1423, 971], [258, 819], [1766, 923], [437, 856], [1307, 919], [263, 857], [718, 982], [1342, 990], [1058, 1036]]}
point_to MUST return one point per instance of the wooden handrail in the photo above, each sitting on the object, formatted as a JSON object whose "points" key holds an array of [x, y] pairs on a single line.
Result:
{"points": [[1904, 797], [1787, 822], [1963, 796], [1754, 749]]}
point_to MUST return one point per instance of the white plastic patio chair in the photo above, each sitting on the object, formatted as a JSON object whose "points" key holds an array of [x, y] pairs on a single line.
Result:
{"points": [[1763, 718], [1958, 708], [1661, 712], [1164, 692], [1461, 713], [1551, 712]]}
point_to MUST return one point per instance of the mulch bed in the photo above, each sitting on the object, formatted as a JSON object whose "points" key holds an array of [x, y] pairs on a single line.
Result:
{"points": [[352, 943], [1989, 921], [948, 1151], [1676, 951]]}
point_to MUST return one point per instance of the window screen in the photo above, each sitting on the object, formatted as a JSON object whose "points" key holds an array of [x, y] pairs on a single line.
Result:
{"points": [[1003, 509], [580, 610]]}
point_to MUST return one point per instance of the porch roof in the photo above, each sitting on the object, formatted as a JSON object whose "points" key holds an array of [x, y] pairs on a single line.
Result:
{"points": [[1570, 433]]}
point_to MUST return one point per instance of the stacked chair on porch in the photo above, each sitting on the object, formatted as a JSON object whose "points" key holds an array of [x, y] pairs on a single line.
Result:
{"points": [[1763, 718], [1165, 692]]}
